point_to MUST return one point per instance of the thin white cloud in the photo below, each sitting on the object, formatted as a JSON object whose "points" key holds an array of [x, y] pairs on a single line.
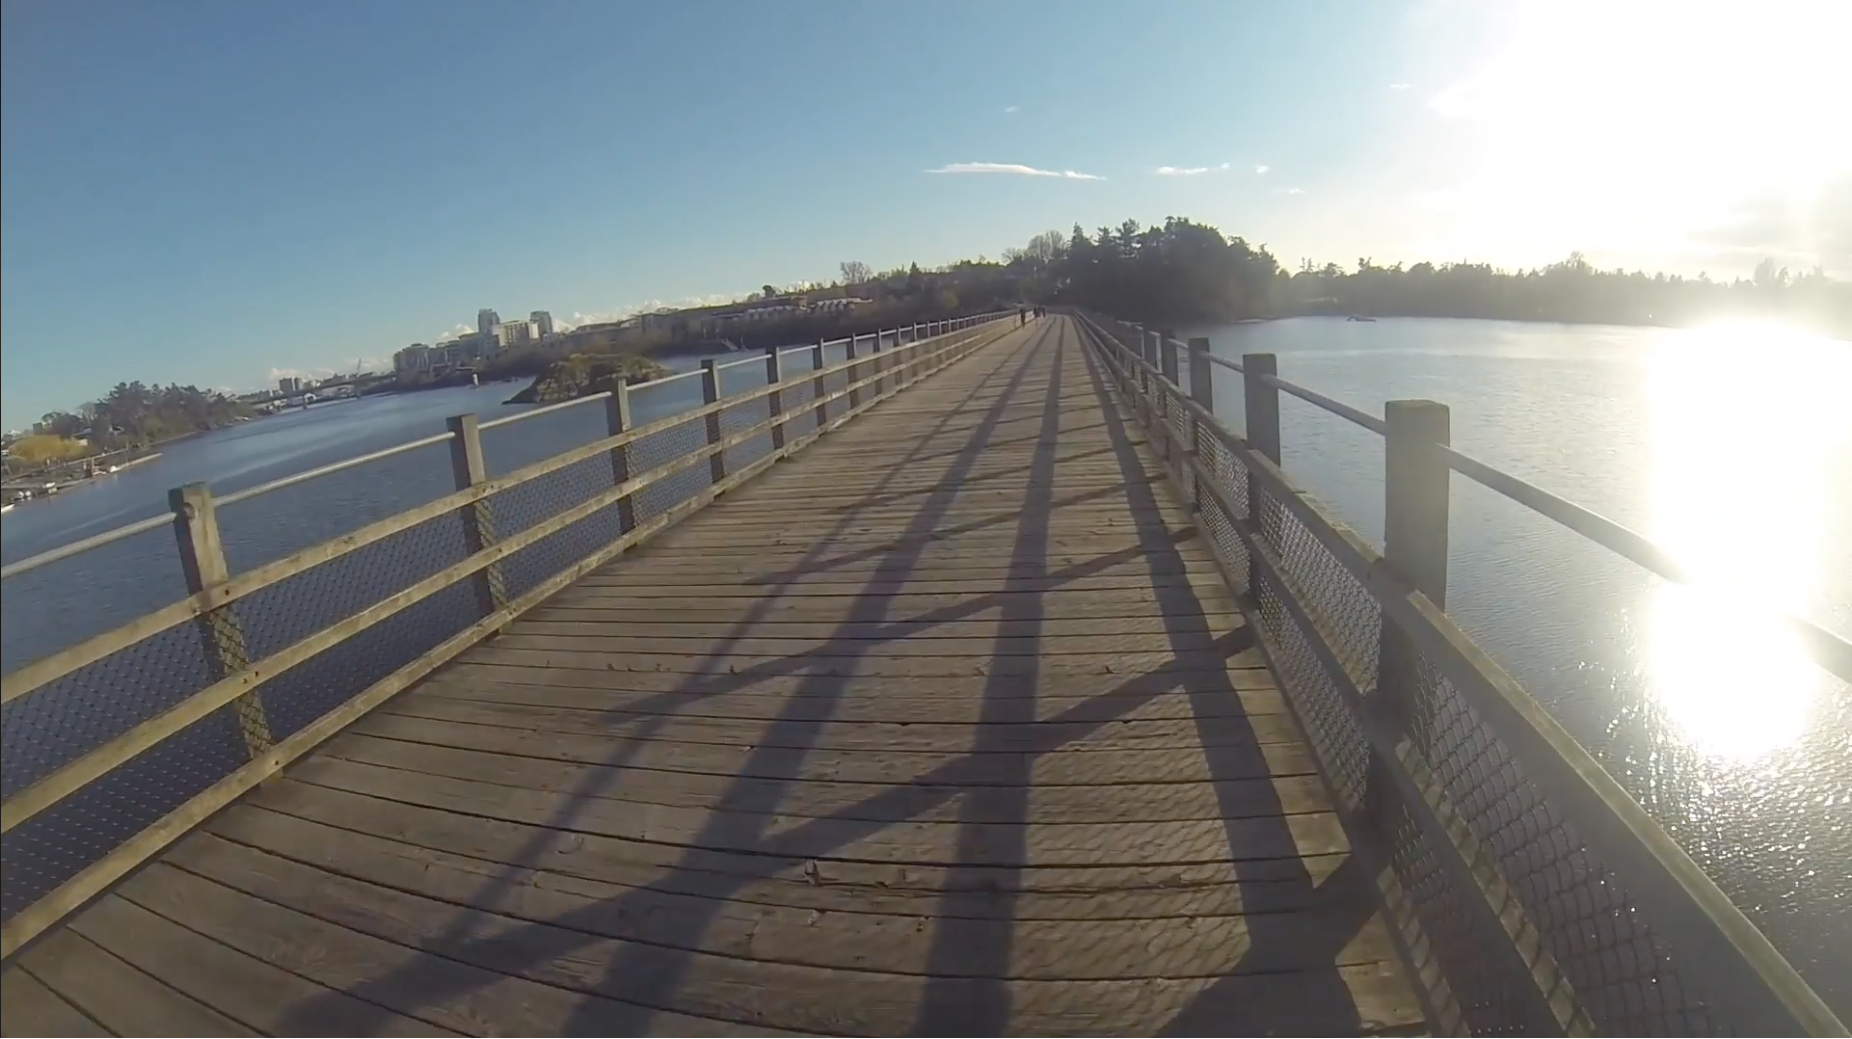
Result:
{"points": [[1016, 169], [1224, 166], [1400, 86], [1459, 100], [1289, 191], [1012, 110], [1262, 169], [1184, 171]]}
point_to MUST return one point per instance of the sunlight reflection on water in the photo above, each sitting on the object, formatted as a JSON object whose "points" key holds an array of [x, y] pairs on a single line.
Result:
{"points": [[1744, 511]]}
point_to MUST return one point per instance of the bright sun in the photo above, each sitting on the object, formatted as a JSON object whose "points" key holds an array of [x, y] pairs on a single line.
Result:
{"points": [[1723, 665], [1635, 127]]}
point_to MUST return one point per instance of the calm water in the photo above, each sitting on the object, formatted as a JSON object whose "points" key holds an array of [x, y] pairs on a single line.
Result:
{"points": [[1730, 446], [1695, 699]]}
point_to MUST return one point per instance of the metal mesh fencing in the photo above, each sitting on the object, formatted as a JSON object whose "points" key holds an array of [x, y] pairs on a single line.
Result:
{"points": [[115, 584], [677, 441], [279, 523], [736, 418], [1323, 630], [797, 394], [1622, 975]]}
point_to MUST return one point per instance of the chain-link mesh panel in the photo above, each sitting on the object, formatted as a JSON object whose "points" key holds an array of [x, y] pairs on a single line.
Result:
{"points": [[521, 508], [674, 443], [1623, 977], [514, 445], [62, 603], [797, 394], [52, 847], [735, 418], [271, 526]]}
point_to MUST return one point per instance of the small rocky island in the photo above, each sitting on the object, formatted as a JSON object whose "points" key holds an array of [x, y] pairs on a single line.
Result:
{"points": [[582, 375]]}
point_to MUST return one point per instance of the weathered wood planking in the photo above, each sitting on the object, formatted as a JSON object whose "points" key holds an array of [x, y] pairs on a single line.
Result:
{"points": [[948, 725]]}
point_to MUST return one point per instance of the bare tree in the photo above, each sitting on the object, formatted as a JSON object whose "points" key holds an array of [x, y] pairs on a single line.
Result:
{"points": [[855, 272], [1045, 248]]}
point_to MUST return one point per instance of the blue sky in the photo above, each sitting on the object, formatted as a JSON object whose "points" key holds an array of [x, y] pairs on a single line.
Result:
{"points": [[210, 191]]}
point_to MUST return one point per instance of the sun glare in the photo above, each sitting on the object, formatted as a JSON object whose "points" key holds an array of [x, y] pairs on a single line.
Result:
{"points": [[1638, 127], [1739, 495]]}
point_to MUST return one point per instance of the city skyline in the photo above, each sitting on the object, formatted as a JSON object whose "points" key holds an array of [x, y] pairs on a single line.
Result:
{"points": [[257, 189]]}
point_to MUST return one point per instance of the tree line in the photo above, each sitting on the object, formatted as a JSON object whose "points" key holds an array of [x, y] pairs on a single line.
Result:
{"points": [[1182, 272], [136, 415]]}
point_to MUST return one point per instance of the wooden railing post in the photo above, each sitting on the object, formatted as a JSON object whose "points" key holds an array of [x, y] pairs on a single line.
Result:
{"points": [[1167, 366], [817, 386], [202, 563], [853, 372], [774, 375], [467, 466], [1202, 391], [1415, 499], [618, 420], [710, 394], [1261, 401], [880, 378]]}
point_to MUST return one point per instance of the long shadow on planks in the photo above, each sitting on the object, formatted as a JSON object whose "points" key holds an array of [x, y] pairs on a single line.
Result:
{"points": [[1319, 1003], [971, 947]]}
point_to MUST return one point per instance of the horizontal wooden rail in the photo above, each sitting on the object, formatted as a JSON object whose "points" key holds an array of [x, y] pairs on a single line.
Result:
{"points": [[935, 354], [1738, 970]]}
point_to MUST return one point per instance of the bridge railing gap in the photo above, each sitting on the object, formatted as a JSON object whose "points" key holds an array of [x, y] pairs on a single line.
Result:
{"points": [[1528, 891], [120, 743]]}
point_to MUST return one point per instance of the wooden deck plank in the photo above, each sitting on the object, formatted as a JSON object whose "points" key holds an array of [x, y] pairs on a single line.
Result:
{"points": [[27, 1007], [927, 835], [978, 768], [902, 704], [582, 961], [867, 941], [815, 728], [946, 725], [122, 998], [1140, 891], [256, 992], [1145, 802]]}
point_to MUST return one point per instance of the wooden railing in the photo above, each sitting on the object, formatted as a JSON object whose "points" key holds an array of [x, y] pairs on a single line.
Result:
{"points": [[209, 697], [1531, 893]]}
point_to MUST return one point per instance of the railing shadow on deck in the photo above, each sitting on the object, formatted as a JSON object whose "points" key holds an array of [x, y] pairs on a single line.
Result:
{"points": [[970, 951], [120, 742]]}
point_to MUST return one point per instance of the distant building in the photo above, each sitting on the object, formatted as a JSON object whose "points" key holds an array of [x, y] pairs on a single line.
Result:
{"points": [[414, 358], [486, 320], [514, 333], [290, 384], [542, 322]]}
